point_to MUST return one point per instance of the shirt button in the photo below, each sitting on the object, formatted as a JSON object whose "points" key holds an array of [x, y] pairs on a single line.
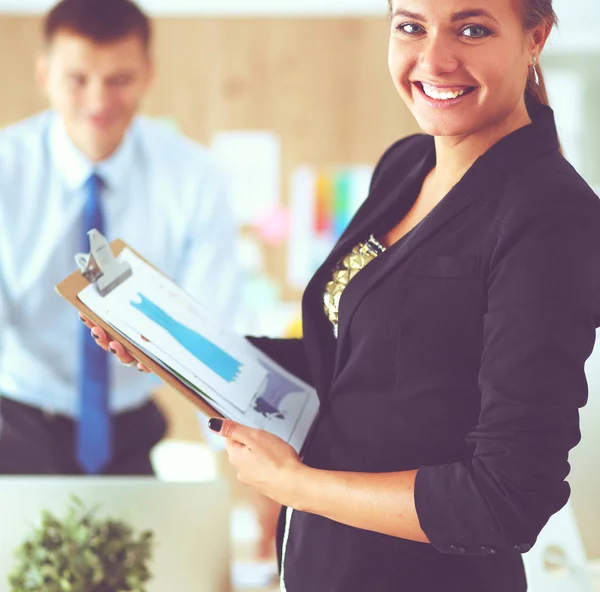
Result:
{"points": [[522, 548], [458, 549], [487, 551]]}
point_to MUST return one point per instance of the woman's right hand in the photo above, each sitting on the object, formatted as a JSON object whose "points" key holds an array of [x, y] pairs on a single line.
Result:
{"points": [[114, 347]]}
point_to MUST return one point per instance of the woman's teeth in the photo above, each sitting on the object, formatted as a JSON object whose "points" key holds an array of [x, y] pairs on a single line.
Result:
{"points": [[434, 93]]}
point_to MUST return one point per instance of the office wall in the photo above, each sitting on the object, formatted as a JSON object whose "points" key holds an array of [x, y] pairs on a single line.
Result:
{"points": [[321, 84]]}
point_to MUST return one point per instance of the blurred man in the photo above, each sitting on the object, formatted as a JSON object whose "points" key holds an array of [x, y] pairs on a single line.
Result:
{"points": [[92, 162]]}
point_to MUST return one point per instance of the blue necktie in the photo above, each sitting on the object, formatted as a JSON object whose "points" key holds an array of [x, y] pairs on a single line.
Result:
{"points": [[94, 427]]}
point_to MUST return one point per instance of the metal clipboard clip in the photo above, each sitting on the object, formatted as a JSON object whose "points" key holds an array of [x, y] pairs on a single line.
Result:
{"points": [[100, 266]]}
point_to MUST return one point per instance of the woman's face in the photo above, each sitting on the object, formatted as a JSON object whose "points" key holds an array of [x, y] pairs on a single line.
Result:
{"points": [[460, 65]]}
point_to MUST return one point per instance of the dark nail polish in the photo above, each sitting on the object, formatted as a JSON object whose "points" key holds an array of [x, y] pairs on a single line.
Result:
{"points": [[112, 351], [81, 319], [215, 424], [96, 337]]}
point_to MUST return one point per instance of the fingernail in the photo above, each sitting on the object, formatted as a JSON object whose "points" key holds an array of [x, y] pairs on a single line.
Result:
{"points": [[81, 319], [215, 424], [95, 336], [112, 351]]}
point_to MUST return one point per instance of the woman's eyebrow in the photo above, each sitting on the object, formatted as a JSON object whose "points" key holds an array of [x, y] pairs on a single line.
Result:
{"points": [[411, 15], [457, 16], [475, 12]]}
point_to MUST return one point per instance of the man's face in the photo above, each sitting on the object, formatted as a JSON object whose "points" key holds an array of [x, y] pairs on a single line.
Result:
{"points": [[96, 88]]}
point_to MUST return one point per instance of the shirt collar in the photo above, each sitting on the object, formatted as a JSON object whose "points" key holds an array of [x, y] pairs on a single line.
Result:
{"points": [[75, 168]]}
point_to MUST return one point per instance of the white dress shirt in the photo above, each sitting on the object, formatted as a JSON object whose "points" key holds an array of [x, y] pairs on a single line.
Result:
{"points": [[163, 195]]}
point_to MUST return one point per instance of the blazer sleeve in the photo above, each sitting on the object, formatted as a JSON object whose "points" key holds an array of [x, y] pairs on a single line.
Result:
{"points": [[289, 353], [538, 331]]}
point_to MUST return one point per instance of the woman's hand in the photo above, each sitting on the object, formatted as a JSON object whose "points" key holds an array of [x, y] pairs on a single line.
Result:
{"points": [[263, 461], [114, 347]]}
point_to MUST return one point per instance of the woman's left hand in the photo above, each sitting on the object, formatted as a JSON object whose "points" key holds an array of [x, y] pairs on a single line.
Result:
{"points": [[263, 461]]}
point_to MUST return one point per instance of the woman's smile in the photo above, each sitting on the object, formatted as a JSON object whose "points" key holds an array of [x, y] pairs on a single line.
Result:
{"points": [[442, 96]]}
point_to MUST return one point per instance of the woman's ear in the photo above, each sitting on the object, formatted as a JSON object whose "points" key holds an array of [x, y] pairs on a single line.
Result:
{"points": [[538, 37]]}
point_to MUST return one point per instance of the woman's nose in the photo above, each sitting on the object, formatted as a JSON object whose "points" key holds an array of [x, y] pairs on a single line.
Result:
{"points": [[438, 57]]}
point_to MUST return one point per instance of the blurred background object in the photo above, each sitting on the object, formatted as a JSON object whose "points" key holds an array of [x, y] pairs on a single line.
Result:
{"points": [[571, 62], [558, 562], [181, 554]]}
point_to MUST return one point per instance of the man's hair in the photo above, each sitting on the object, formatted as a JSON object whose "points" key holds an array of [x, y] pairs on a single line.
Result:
{"points": [[102, 21]]}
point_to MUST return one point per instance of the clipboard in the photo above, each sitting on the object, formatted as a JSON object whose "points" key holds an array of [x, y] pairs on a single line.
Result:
{"points": [[101, 267]]}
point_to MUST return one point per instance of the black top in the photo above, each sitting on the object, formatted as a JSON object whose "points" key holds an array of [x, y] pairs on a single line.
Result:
{"points": [[461, 353]]}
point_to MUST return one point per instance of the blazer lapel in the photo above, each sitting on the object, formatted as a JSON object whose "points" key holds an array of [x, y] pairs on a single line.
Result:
{"points": [[480, 182], [451, 206], [393, 205], [320, 343]]}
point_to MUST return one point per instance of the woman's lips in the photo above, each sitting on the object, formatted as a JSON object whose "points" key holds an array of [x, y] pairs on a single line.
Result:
{"points": [[440, 96]]}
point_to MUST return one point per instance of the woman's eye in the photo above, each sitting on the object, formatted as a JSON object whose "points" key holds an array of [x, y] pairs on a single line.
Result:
{"points": [[476, 32], [410, 29]]}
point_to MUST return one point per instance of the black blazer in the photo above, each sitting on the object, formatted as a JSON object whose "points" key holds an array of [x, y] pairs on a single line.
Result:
{"points": [[461, 353]]}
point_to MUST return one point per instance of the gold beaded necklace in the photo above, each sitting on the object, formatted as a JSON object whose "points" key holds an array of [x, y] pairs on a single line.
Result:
{"points": [[360, 256]]}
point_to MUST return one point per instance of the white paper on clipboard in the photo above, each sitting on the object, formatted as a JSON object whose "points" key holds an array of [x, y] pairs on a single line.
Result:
{"points": [[178, 332]]}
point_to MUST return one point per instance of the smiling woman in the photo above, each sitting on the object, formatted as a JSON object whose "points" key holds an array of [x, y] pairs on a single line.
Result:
{"points": [[472, 62], [461, 306], [534, 14]]}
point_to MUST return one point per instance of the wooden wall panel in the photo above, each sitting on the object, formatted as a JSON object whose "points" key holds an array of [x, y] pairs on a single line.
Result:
{"points": [[19, 44], [321, 84]]}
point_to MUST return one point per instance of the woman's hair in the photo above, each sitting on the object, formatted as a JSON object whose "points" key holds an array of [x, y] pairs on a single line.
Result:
{"points": [[535, 12]]}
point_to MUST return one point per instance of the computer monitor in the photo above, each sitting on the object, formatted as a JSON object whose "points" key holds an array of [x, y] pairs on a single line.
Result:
{"points": [[190, 522]]}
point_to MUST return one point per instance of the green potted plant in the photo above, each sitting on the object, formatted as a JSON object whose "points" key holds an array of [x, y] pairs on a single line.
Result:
{"points": [[83, 553]]}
